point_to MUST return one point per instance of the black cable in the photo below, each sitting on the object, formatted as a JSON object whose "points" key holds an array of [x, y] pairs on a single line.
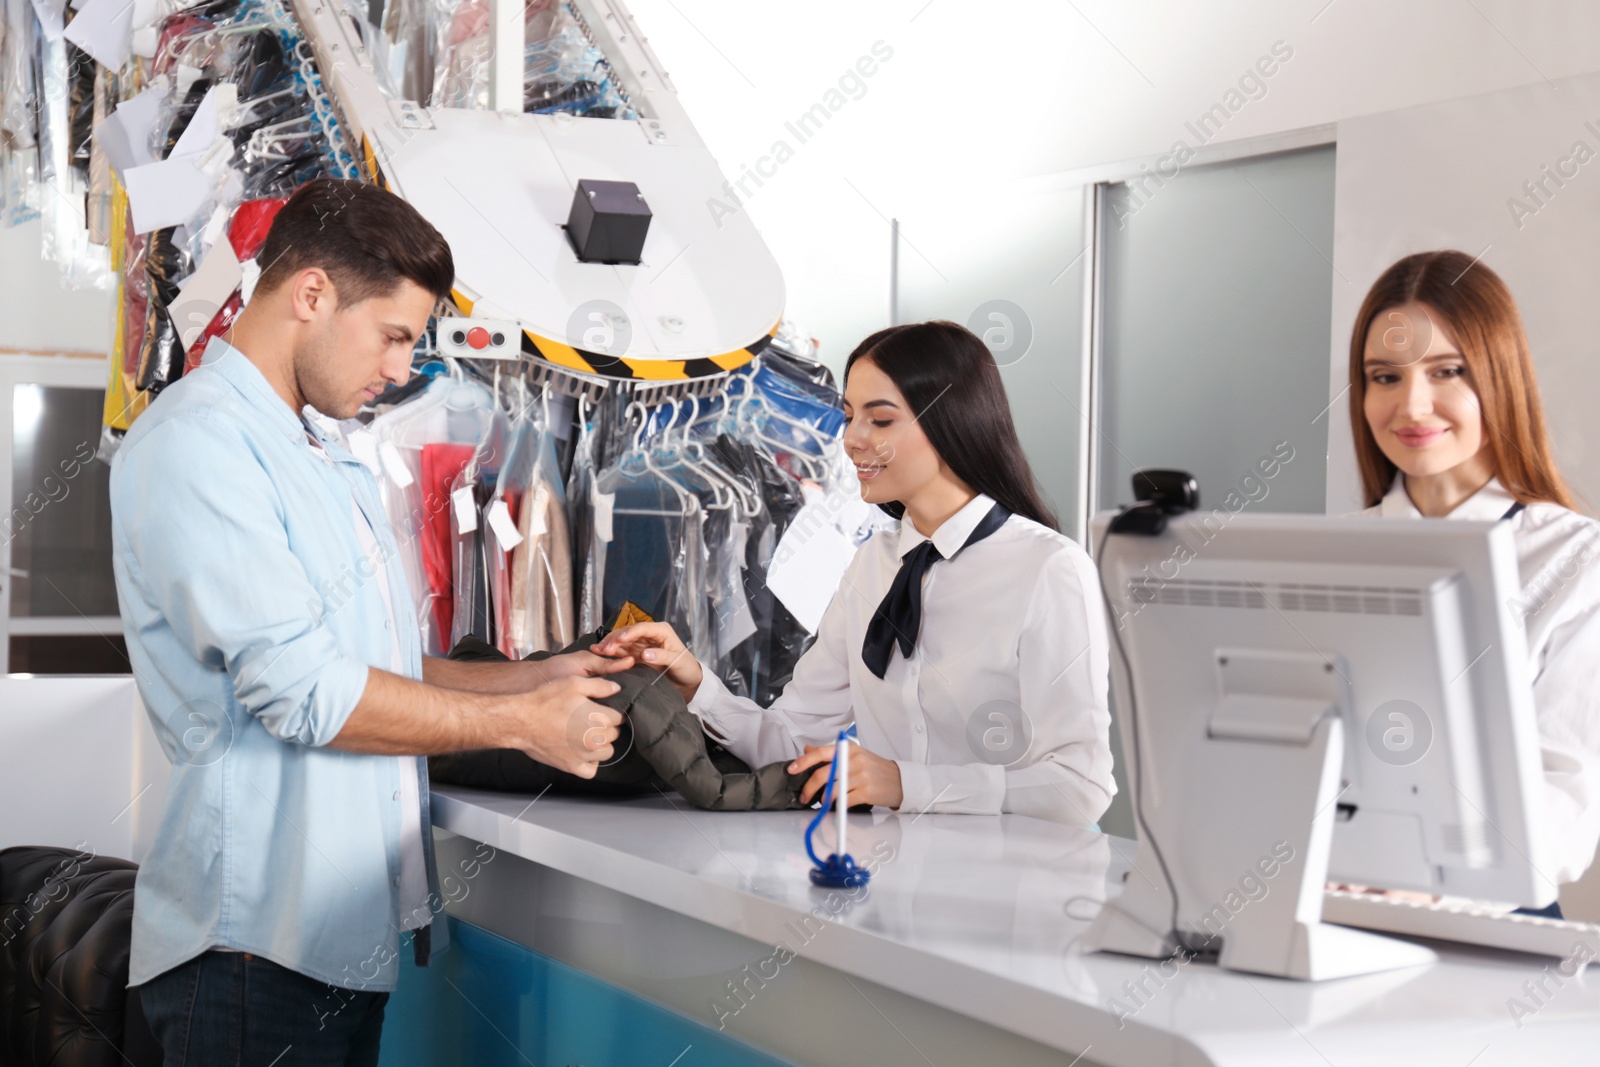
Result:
{"points": [[1133, 722]]}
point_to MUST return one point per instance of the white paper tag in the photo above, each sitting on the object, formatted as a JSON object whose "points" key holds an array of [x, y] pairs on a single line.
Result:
{"points": [[602, 504], [739, 539], [214, 226], [504, 527], [185, 76], [364, 447], [395, 465], [466, 510], [541, 500], [808, 565], [250, 273], [735, 623]]}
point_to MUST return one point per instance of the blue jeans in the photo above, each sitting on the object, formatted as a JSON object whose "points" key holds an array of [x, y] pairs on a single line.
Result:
{"points": [[235, 1009]]}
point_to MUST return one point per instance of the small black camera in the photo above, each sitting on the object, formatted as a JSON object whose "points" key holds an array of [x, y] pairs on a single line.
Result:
{"points": [[1160, 494]]}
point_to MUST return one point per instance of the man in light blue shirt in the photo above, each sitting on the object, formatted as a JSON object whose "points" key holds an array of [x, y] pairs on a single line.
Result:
{"points": [[279, 658]]}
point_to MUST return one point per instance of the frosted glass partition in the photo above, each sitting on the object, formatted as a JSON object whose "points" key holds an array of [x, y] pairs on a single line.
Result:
{"points": [[1009, 263], [1216, 300]]}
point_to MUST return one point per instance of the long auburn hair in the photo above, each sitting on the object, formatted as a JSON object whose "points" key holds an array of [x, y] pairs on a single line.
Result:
{"points": [[1477, 307], [950, 379]]}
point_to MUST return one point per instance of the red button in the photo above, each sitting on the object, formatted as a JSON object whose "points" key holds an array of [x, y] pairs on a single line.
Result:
{"points": [[478, 337]]}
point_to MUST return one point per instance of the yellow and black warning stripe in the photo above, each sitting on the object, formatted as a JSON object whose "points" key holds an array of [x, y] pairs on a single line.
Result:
{"points": [[374, 172], [623, 368]]}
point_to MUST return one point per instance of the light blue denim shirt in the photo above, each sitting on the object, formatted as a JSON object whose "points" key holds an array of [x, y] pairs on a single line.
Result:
{"points": [[251, 614]]}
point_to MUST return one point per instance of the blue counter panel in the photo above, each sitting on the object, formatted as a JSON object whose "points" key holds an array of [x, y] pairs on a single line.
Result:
{"points": [[489, 1002]]}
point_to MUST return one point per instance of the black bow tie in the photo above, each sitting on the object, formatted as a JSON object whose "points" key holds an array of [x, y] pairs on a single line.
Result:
{"points": [[899, 617]]}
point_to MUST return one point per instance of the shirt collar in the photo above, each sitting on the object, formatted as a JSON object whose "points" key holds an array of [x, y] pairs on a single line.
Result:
{"points": [[1486, 505], [952, 533], [247, 378]]}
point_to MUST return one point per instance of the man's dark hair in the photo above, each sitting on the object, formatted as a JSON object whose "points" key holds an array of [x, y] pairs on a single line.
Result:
{"points": [[366, 239]]}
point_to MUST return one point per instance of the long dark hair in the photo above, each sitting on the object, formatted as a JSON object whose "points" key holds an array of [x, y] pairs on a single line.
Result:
{"points": [[950, 379]]}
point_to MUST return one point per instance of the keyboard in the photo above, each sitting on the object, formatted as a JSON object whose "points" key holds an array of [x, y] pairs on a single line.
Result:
{"points": [[1466, 921]]}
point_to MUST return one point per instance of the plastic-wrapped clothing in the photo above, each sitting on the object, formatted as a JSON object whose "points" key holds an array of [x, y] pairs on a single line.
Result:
{"points": [[656, 556], [801, 371], [661, 744], [251, 221], [783, 640], [541, 615], [220, 324], [161, 355], [422, 442], [80, 106], [441, 463], [471, 569]]}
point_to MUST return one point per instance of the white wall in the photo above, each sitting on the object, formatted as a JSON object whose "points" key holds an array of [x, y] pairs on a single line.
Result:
{"points": [[94, 774], [1011, 89], [1444, 176], [38, 313]]}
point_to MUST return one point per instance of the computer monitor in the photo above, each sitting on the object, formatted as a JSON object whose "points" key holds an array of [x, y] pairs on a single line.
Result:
{"points": [[1307, 698]]}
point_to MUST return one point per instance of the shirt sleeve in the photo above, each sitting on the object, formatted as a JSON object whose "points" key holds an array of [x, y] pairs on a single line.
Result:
{"points": [[210, 554], [1064, 773], [811, 710], [1566, 693]]}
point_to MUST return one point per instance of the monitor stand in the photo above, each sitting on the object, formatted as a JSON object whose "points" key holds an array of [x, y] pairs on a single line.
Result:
{"points": [[1246, 830]]}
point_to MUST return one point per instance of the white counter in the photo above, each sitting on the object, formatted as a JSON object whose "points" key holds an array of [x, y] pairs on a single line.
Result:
{"points": [[967, 915]]}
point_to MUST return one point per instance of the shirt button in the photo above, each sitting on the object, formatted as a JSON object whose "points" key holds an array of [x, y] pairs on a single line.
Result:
{"points": [[918, 727], [386, 625], [397, 794]]}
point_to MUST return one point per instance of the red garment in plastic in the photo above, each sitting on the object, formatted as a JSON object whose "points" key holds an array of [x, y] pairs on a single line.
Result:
{"points": [[440, 465], [173, 30], [220, 324], [251, 221]]}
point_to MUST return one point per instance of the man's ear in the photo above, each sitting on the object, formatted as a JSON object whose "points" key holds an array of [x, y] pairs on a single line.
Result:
{"points": [[309, 291]]}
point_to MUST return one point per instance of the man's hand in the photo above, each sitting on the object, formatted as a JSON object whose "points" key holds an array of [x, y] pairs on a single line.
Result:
{"points": [[580, 664], [560, 725], [873, 779], [656, 644], [517, 676]]}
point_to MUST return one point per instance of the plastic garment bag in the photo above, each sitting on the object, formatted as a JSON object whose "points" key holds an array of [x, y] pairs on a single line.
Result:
{"points": [[654, 553], [478, 567], [417, 449], [161, 354], [540, 615]]}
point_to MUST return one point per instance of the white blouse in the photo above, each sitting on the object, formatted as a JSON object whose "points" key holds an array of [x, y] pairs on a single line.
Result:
{"points": [[1560, 608], [1002, 705]]}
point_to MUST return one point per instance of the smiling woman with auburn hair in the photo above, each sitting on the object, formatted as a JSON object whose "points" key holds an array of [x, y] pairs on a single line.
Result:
{"points": [[1448, 424]]}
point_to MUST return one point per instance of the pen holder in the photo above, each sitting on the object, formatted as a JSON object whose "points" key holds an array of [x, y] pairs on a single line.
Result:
{"points": [[839, 870]]}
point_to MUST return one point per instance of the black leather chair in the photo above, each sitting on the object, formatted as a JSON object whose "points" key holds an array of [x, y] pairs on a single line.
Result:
{"points": [[65, 922]]}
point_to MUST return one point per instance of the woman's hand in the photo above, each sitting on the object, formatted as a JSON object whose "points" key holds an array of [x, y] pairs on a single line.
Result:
{"points": [[873, 779], [656, 644]]}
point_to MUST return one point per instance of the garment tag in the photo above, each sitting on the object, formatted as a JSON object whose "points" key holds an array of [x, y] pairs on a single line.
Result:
{"points": [[365, 448], [808, 565], [466, 510], [213, 228], [395, 465], [504, 527], [735, 623], [249, 274], [541, 500], [602, 504], [738, 540]]}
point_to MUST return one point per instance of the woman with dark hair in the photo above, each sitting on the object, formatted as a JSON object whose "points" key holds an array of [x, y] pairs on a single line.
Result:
{"points": [[968, 645], [1448, 424]]}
